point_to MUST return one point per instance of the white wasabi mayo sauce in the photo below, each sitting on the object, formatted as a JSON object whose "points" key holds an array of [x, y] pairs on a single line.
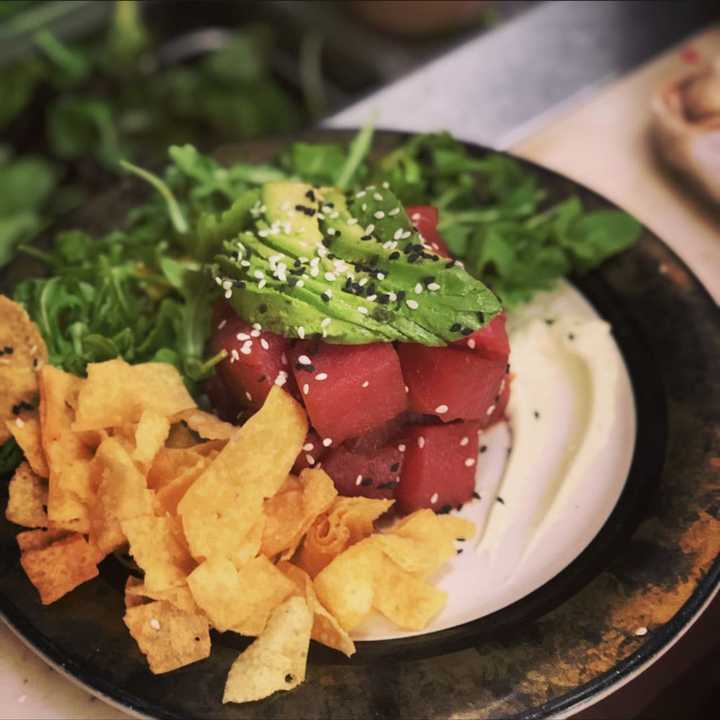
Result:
{"points": [[558, 465]]}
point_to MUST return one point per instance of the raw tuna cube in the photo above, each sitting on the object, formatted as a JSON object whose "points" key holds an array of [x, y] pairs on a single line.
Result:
{"points": [[388, 433], [255, 361], [490, 342], [439, 467], [425, 219], [449, 383], [348, 390], [311, 454], [375, 475], [501, 402]]}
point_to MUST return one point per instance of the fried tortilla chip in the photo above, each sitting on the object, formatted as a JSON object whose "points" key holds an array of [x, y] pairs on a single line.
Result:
{"points": [[150, 435], [22, 353], [60, 567], [67, 456], [326, 629], [116, 394], [422, 542], [277, 659], [170, 494], [39, 539], [223, 504], [179, 597], [25, 428], [239, 600], [290, 513], [346, 587], [27, 498], [170, 638], [405, 600], [181, 436], [121, 495], [156, 550], [348, 521], [206, 425]]}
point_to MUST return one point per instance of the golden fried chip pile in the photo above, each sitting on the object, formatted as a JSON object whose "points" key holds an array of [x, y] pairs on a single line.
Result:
{"points": [[223, 535]]}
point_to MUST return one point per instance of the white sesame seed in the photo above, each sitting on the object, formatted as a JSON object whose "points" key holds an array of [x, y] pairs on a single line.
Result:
{"points": [[314, 272], [227, 284], [394, 211], [309, 459], [154, 623], [421, 442], [234, 356], [386, 185], [434, 498], [433, 286], [281, 378], [19, 422], [304, 360], [362, 282], [415, 216], [283, 359], [441, 409], [464, 441], [262, 283], [301, 332], [366, 384], [380, 276], [379, 214], [407, 389], [264, 344], [418, 289], [259, 274], [300, 283], [330, 277], [371, 298], [363, 310], [641, 631], [369, 229], [490, 410], [222, 324], [358, 479], [246, 349], [248, 396], [402, 447], [321, 376], [228, 294], [327, 442], [364, 207], [326, 322], [377, 196], [255, 333], [412, 304], [397, 234], [307, 447], [219, 281], [331, 231], [352, 221], [471, 343], [257, 326], [360, 194], [469, 462], [306, 389]]}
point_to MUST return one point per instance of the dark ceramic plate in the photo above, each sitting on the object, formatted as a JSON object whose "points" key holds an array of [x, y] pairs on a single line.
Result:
{"points": [[653, 565]]}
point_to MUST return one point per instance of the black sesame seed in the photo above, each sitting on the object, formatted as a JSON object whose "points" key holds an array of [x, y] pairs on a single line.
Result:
{"points": [[292, 281], [366, 237], [310, 195], [549, 321], [500, 500], [450, 264], [383, 298], [390, 485], [262, 308], [455, 327], [507, 368], [459, 551], [460, 539], [476, 495], [8, 350], [536, 414], [289, 678], [445, 509], [366, 481], [325, 297], [305, 210], [394, 255], [483, 448], [262, 378], [466, 331], [394, 467], [481, 316], [401, 295], [571, 336]]}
